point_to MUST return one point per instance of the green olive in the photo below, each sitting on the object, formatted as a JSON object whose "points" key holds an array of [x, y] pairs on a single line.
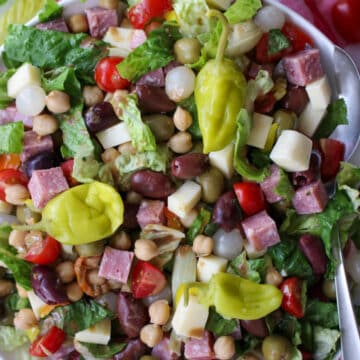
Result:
{"points": [[328, 288], [26, 215], [162, 126], [286, 120], [187, 50], [93, 249], [276, 347], [212, 184]]}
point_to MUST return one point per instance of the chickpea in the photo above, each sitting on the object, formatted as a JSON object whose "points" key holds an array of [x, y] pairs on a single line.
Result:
{"points": [[92, 95], [114, 285], [145, 249], [17, 239], [78, 23], [94, 278], [109, 4], [66, 271], [151, 335], [25, 319], [181, 142], [276, 347], [109, 155], [45, 124], [121, 241], [224, 347], [6, 287], [5, 208], [16, 194], [182, 119], [188, 220], [203, 245], [159, 312], [273, 277], [133, 197], [73, 292], [58, 102], [127, 148], [21, 291]]}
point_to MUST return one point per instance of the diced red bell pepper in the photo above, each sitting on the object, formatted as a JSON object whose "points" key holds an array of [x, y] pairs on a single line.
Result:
{"points": [[48, 344], [292, 303]]}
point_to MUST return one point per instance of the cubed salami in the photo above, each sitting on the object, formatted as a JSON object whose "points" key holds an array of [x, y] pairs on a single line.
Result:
{"points": [[58, 25], [34, 144], [116, 264], [100, 19], [162, 350], [260, 230], [303, 67], [196, 349], [45, 184], [269, 184], [151, 212], [310, 199]]}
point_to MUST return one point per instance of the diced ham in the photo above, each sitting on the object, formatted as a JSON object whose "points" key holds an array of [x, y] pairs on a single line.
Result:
{"points": [[303, 67], [100, 19], [260, 230], [33, 144], [196, 349], [58, 25], [138, 38], [295, 99], [153, 78], [151, 212], [269, 184], [313, 249], [310, 199], [45, 184], [254, 69], [116, 264], [162, 350], [10, 114], [134, 350]]}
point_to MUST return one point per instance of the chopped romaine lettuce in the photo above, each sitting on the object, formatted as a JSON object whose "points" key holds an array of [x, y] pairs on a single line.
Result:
{"points": [[284, 188], [86, 168], [198, 226], [12, 338], [348, 175], [11, 136], [322, 313], [325, 342], [5, 100], [190, 105], [277, 41], [14, 302], [220, 326], [50, 11], [104, 351], [242, 10]]}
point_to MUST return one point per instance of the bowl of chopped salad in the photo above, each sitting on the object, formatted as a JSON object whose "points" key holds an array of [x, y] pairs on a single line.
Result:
{"points": [[164, 182]]}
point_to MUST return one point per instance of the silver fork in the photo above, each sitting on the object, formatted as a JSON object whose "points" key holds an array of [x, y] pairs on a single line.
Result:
{"points": [[350, 340]]}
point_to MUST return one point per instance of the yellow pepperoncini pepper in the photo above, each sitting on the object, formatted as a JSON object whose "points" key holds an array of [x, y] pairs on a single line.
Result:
{"points": [[234, 297], [219, 95]]}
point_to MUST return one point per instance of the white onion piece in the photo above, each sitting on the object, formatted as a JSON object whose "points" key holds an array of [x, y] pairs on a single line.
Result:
{"points": [[352, 265], [179, 83], [355, 292], [164, 294], [228, 244], [31, 100], [269, 17], [8, 219]]}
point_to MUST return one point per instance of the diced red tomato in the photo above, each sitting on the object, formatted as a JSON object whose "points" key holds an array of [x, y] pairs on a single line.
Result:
{"points": [[146, 280], [146, 10], [9, 161], [250, 197], [11, 177], [299, 39], [262, 51], [48, 344], [172, 220], [264, 104], [107, 76], [44, 251], [292, 297], [67, 168], [332, 153]]}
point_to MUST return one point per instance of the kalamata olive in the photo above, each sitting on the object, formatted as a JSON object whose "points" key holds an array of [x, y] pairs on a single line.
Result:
{"points": [[212, 185], [276, 347], [130, 221], [153, 100], [153, 78], [189, 166], [47, 285], [295, 99], [226, 212], [151, 184], [255, 327], [100, 117], [313, 249], [132, 314], [162, 126], [187, 50], [302, 178], [44, 160], [133, 351]]}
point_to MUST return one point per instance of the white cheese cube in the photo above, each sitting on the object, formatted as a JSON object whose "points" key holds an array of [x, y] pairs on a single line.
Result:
{"points": [[292, 151], [113, 51], [319, 93], [190, 320], [99, 333], [184, 199], [260, 130], [113, 136], [207, 266], [223, 160], [24, 76], [251, 252], [39, 308], [219, 4], [310, 119]]}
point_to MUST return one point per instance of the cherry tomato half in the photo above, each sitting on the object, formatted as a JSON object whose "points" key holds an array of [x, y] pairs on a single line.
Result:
{"points": [[146, 280], [48, 343], [11, 177], [107, 76], [298, 38], [250, 197], [262, 51], [332, 153], [44, 251], [292, 296], [146, 10], [67, 168]]}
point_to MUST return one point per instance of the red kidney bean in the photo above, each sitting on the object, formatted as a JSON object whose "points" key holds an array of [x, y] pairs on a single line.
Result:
{"points": [[189, 166], [100, 117], [295, 99], [302, 178], [255, 327], [313, 249], [151, 184], [153, 100], [133, 351]]}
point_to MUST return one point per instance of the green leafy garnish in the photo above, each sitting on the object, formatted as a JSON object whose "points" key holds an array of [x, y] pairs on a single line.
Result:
{"points": [[14, 302], [220, 326], [325, 343], [86, 168], [242, 10], [277, 41], [12, 338], [104, 351], [50, 11], [322, 313], [348, 175], [11, 136], [5, 100], [189, 104], [284, 187], [198, 226]]}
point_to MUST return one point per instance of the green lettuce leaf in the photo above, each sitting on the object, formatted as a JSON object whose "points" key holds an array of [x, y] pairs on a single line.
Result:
{"points": [[189, 104], [86, 168], [259, 158], [5, 100], [220, 326], [322, 313], [5, 231], [11, 136], [289, 326], [325, 342], [105, 175], [353, 195], [284, 187], [198, 226], [50, 11], [155, 52], [14, 302], [242, 10], [104, 351], [336, 115], [12, 338], [348, 175], [141, 135], [277, 41]]}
